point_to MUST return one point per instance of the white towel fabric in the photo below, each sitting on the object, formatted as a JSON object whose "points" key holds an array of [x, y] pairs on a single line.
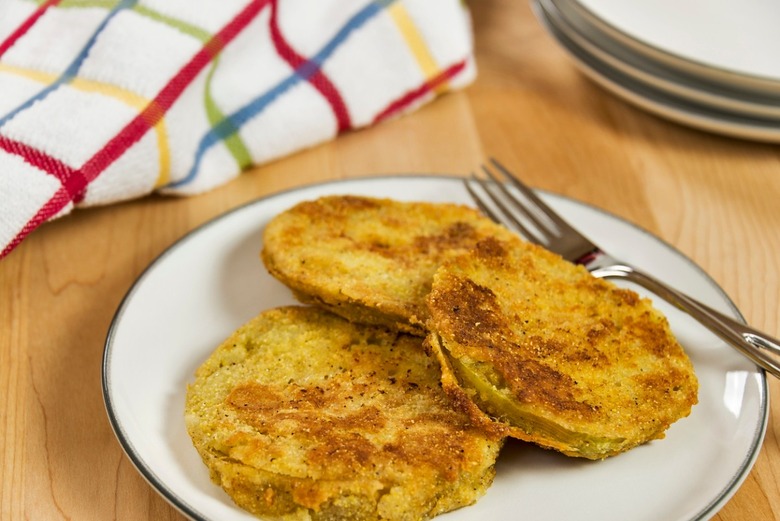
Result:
{"points": [[107, 101]]}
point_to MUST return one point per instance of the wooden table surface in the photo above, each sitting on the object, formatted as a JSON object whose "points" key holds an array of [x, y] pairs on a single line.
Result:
{"points": [[715, 199]]}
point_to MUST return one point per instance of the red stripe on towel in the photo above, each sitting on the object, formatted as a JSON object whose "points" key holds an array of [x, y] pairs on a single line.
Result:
{"points": [[70, 178], [63, 198], [75, 181], [25, 26], [413, 95], [318, 79]]}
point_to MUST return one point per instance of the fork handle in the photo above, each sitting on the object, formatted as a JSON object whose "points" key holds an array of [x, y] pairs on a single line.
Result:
{"points": [[756, 345]]}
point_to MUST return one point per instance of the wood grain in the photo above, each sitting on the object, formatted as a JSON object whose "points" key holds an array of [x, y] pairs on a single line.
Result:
{"points": [[713, 198]]}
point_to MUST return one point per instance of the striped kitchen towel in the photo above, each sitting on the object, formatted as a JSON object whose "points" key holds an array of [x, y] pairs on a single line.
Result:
{"points": [[103, 101]]}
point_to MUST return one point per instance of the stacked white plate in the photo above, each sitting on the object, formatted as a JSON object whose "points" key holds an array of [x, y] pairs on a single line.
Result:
{"points": [[710, 64]]}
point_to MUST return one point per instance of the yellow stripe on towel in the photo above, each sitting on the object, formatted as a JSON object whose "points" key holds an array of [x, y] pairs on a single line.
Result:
{"points": [[128, 98], [416, 43]]}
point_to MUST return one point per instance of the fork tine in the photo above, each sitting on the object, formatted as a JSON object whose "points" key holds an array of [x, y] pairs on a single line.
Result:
{"points": [[490, 212], [556, 235], [544, 228], [524, 189], [478, 198]]}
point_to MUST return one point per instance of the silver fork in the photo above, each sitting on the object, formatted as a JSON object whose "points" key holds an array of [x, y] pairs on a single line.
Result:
{"points": [[548, 229]]}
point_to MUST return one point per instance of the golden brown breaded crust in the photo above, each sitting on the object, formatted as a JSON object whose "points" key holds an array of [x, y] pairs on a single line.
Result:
{"points": [[303, 415], [549, 354], [369, 260]]}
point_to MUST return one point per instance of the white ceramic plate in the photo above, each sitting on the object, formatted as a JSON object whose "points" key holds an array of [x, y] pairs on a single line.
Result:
{"points": [[655, 74], [648, 97], [210, 282], [731, 41]]}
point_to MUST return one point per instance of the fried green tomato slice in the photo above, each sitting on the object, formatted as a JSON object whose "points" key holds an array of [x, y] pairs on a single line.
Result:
{"points": [[302, 415], [546, 353], [370, 260]]}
